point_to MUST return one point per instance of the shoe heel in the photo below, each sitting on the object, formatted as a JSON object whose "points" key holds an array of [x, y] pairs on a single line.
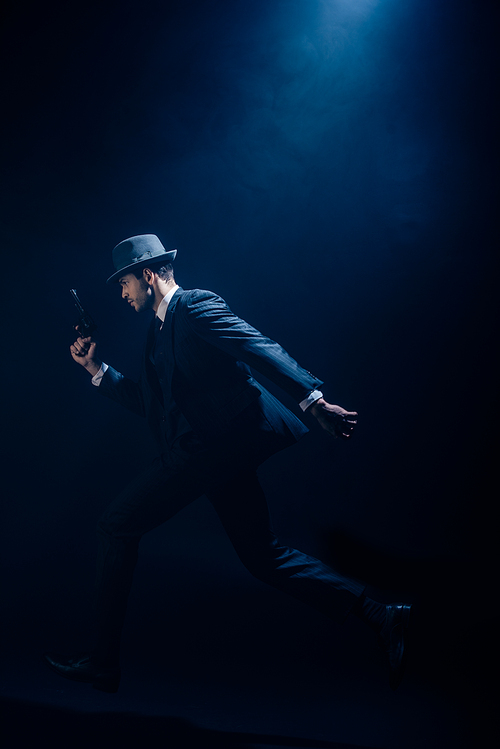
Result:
{"points": [[406, 616]]}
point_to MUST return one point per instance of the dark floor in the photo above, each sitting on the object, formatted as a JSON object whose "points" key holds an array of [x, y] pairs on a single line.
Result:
{"points": [[231, 663]]}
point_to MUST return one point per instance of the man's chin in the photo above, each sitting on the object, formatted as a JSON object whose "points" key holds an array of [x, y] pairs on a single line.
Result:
{"points": [[138, 307]]}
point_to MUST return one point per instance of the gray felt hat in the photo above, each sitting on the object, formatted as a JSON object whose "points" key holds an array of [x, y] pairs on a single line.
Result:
{"points": [[139, 252]]}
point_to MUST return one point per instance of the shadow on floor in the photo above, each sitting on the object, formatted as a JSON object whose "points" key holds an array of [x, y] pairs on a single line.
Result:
{"points": [[26, 725]]}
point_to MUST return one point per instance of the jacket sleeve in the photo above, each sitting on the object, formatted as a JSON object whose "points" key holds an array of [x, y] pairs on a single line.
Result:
{"points": [[209, 317], [124, 391]]}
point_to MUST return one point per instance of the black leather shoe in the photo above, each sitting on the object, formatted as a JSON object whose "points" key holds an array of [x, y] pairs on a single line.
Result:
{"points": [[82, 668], [394, 640]]}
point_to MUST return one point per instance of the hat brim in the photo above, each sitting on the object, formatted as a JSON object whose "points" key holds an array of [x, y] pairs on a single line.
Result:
{"points": [[159, 260]]}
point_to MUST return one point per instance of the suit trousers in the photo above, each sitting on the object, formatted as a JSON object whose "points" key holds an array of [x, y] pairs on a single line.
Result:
{"points": [[225, 473]]}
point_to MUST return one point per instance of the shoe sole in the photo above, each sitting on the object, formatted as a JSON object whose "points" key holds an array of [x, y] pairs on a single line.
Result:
{"points": [[108, 684]]}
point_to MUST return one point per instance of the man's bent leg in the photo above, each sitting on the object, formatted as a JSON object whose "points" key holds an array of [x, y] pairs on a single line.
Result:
{"points": [[155, 496]]}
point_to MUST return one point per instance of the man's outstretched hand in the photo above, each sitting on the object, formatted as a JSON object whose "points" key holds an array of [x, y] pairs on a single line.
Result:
{"points": [[335, 419]]}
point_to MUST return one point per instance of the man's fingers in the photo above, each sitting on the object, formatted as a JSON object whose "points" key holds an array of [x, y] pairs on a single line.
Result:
{"points": [[81, 346], [346, 433], [347, 428]]}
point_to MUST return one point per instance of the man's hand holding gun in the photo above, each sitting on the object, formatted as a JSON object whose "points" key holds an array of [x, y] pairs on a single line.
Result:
{"points": [[83, 350]]}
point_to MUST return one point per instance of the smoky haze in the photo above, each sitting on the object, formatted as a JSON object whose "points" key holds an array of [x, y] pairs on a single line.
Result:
{"points": [[327, 167]]}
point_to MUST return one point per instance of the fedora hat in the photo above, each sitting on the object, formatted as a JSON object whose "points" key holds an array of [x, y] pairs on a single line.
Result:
{"points": [[139, 252]]}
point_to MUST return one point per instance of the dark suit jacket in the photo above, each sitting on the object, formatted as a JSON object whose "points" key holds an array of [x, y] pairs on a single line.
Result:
{"points": [[202, 359]]}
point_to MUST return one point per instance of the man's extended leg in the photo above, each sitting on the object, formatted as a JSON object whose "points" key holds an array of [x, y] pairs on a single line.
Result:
{"points": [[242, 508]]}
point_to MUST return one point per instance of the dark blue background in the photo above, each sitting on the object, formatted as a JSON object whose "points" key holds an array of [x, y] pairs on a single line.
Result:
{"points": [[327, 167]]}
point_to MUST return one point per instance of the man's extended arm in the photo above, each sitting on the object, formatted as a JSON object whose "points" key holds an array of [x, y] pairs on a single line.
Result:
{"points": [[209, 317]]}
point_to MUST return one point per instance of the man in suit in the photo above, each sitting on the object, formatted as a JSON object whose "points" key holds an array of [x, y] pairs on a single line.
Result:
{"points": [[214, 424]]}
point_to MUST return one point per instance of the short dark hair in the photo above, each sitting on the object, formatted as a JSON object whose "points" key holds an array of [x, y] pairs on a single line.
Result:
{"points": [[165, 272]]}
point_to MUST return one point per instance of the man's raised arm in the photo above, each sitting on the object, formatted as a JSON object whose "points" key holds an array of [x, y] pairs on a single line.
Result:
{"points": [[111, 383], [83, 351]]}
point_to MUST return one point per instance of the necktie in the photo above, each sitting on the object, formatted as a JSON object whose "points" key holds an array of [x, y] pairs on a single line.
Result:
{"points": [[157, 328]]}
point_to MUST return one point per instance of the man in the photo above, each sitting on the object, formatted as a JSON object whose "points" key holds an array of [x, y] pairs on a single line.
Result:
{"points": [[213, 425]]}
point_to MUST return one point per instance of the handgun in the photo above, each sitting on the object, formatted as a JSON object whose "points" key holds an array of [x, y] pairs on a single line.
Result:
{"points": [[86, 324]]}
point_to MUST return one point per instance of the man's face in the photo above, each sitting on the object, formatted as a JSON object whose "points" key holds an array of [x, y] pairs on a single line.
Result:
{"points": [[137, 292]]}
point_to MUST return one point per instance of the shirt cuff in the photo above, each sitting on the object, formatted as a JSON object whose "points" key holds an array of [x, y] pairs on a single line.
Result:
{"points": [[311, 398], [96, 379]]}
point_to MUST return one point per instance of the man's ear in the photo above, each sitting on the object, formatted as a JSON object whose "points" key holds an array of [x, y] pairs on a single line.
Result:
{"points": [[148, 276]]}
